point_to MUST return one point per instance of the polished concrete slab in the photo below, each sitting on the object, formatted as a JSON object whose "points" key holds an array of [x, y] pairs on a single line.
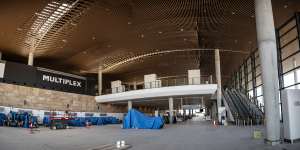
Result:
{"points": [[193, 135]]}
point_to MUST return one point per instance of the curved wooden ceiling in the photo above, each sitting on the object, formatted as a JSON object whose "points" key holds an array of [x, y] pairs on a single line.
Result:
{"points": [[106, 32]]}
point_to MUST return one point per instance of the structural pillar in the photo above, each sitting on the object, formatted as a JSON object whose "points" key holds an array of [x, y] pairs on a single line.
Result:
{"points": [[202, 102], [100, 80], [266, 40], [219, 86], [171, 108], [129, 105], [156, 112], [30, 58], [210, 79], [134, 85]]}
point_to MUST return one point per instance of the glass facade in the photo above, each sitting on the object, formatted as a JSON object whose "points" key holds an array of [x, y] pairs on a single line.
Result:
{"points": [[248, 77]]}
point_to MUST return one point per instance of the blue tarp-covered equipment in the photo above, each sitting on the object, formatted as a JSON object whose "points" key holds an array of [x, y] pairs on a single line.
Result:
{"points": [[137, 120], [81, 121], [21, 119], [3, 119]]}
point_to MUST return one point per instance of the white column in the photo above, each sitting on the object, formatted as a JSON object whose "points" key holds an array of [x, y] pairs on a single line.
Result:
{"points": [[171, 108], [129, 105], [156, 113], [202, 102], [218, 77], [210, 79], [30, 58], [100, 80], [134, 85], [266, 40]]}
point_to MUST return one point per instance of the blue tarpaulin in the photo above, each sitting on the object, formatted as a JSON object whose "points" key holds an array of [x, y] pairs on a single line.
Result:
{"points": [[46, 121], [2, 119], [81, 121], [24, 117], [137, 120]]}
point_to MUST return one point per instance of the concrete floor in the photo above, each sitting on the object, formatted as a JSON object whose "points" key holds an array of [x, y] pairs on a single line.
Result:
{"points": [[193, 135]]}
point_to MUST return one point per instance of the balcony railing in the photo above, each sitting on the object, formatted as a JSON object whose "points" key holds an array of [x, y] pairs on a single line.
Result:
{"points": [[161, 82]]}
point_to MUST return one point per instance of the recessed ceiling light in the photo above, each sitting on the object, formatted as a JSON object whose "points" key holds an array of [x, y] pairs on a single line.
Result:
{"points": [[142, 35], [94, 38], [64, 40], [129, 23], [181, 29], [285, 6], [159, 32], [184, 39], [233, 13]]}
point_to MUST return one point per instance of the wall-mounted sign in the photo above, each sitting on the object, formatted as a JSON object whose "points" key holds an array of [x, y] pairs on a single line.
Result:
{"points": [[25, 75], [60, 80], [53, 80]]}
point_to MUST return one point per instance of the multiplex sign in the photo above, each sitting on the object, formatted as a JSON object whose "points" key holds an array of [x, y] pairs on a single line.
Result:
{"points": [[60, 80]]}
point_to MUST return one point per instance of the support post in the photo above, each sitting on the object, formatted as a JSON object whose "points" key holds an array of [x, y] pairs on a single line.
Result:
{"points": [[30, 58], [129, 105], [100, 80], [171, 108], [266, 40], [210, 79], [134, 85], [202, 102], [219, 86]]}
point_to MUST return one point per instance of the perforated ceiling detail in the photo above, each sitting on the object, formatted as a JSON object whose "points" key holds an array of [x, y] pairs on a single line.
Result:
{"points": [[46, 31], [109, 32]]}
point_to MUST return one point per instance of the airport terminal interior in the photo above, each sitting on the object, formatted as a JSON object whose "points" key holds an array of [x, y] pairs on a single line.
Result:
{"points": [[150, 74]]}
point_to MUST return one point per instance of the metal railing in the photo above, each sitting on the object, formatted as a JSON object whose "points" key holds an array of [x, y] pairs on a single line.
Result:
{"points": [[161, 82]]}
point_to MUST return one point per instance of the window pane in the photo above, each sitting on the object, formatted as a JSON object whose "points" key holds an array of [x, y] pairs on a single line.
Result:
{"points": [[258, 71], [259, 91], [258, 81], [288, 79], [291, 63], [288, 37], [287, 27], [290, 49], [250, 93], [250, 86], [250, 76], [298, 77]]}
